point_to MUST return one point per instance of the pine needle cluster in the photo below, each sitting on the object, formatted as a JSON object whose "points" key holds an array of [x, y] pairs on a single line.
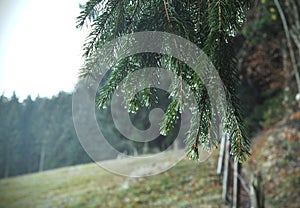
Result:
{"points": [[210, 24]]}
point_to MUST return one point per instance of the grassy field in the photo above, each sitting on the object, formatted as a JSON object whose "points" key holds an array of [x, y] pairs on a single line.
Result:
{"points": [[188, 184], [275, 154]]}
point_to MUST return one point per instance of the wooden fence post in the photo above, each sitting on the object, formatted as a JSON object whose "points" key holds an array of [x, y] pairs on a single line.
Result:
{"points": [[226, 170], [221, 155], [236, 184], [256, 191]]}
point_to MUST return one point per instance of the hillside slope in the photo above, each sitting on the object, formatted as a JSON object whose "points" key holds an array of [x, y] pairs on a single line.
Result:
{"points": [[187, 184], [275, 154]]}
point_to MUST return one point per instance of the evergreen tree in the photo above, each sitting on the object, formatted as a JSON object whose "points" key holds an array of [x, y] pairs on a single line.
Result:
{"points": [[26, 140], [3, 135], [33, 132], [12, 135], [211, 25]]}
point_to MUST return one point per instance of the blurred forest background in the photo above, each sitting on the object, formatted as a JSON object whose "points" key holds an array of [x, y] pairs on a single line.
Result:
{"points": [[38, 135]]}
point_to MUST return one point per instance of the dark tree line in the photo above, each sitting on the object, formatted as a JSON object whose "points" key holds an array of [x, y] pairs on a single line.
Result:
{"points": [[37, 135]]}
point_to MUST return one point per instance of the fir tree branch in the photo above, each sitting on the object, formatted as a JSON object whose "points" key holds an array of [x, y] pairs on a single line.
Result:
{"points": [[99, 28], [208, 24], [89, 8]]}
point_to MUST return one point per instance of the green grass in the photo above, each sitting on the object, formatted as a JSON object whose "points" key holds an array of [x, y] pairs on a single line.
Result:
{"points": [[188, 184], [275, 154]]}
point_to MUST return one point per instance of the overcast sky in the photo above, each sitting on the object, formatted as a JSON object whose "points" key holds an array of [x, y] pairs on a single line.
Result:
{"points": [[40, 48]]}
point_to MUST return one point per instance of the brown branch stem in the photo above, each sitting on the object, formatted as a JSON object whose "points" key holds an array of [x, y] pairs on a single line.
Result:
{"points": [[289, 43]]}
